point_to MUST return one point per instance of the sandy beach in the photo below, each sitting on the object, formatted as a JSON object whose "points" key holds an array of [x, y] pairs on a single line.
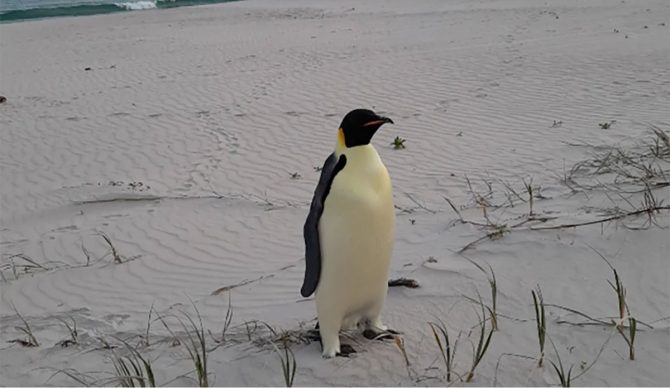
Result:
{"points": [[159, 162]]}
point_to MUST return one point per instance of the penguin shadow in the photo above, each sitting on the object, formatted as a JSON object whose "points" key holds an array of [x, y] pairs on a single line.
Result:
{"points": [[346, 350]]}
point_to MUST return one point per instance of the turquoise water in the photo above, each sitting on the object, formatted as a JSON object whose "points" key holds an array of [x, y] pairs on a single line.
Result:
{"points": [[15, 10]]}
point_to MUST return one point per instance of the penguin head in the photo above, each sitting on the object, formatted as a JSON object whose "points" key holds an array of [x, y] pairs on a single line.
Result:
{"points": [[359, 125]]}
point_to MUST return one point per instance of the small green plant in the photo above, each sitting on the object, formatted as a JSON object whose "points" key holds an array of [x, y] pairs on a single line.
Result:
{"points": [[482, 346], [606, 125], [30, 341], [132, 370], [540, 319], [447, 351], [288, 363], [398, 143]]}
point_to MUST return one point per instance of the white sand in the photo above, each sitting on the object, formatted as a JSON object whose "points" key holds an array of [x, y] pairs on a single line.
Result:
{"points": [[213, 108]]}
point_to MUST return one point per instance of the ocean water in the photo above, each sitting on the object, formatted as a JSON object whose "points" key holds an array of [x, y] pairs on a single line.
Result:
{"points": [[15, 10]]}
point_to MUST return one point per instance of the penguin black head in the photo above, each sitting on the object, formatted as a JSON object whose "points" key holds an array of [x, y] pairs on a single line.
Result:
{"points": [[359, 125]]}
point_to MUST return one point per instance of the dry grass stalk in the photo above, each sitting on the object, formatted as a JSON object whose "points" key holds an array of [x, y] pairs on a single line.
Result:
{"points": [[540, 319], [118, 259], [74, 335], [30, 341]]}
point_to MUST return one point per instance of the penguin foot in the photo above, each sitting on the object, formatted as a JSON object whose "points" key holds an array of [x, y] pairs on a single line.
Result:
{"points": [[379, 335], [313, 335], [345, 351]]}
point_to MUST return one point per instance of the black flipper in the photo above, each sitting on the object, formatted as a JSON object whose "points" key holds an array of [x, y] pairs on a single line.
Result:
{"points": [[331, 167]]}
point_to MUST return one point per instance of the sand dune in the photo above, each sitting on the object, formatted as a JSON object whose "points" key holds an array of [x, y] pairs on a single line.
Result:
{"points": [[192, 140]]}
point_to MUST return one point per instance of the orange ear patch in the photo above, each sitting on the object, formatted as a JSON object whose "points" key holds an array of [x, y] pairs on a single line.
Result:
{"points": [[340, 138]]}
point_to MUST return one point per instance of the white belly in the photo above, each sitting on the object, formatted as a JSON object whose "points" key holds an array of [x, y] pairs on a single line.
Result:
{"points": [[357, 232]]}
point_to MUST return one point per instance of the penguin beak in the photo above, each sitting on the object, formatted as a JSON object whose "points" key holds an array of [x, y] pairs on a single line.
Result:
{"points": [[378, 122]]}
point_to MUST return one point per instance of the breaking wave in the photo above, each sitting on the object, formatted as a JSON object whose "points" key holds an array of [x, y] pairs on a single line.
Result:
{"points": [[97, 8]]}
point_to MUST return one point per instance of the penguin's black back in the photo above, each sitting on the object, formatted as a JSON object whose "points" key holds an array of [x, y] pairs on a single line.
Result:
{"points": [[331, 167]]}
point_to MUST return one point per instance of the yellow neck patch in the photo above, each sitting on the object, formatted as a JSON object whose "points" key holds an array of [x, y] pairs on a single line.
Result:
{"points": [[341, 144]]}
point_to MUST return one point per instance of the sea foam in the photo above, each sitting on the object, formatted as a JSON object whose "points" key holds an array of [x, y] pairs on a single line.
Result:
{"points": [[137, 5]]}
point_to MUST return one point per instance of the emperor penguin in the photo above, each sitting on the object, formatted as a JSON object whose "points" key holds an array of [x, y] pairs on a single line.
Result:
{"points": [[349, 234]]}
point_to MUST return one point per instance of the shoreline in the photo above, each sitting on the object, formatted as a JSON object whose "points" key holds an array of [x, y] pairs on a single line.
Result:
{"points": [[22, 15]]}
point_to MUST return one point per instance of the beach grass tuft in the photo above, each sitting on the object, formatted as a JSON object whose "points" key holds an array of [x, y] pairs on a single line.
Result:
{"points": [[132, 370], [447, 349], [195, 343], [483, 343], [288, 362], [493, 285], [565, 377], [623, 310], [197, 346]]}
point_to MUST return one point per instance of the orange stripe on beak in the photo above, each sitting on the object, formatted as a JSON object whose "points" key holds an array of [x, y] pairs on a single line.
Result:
{"points": [[374, 122]]}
